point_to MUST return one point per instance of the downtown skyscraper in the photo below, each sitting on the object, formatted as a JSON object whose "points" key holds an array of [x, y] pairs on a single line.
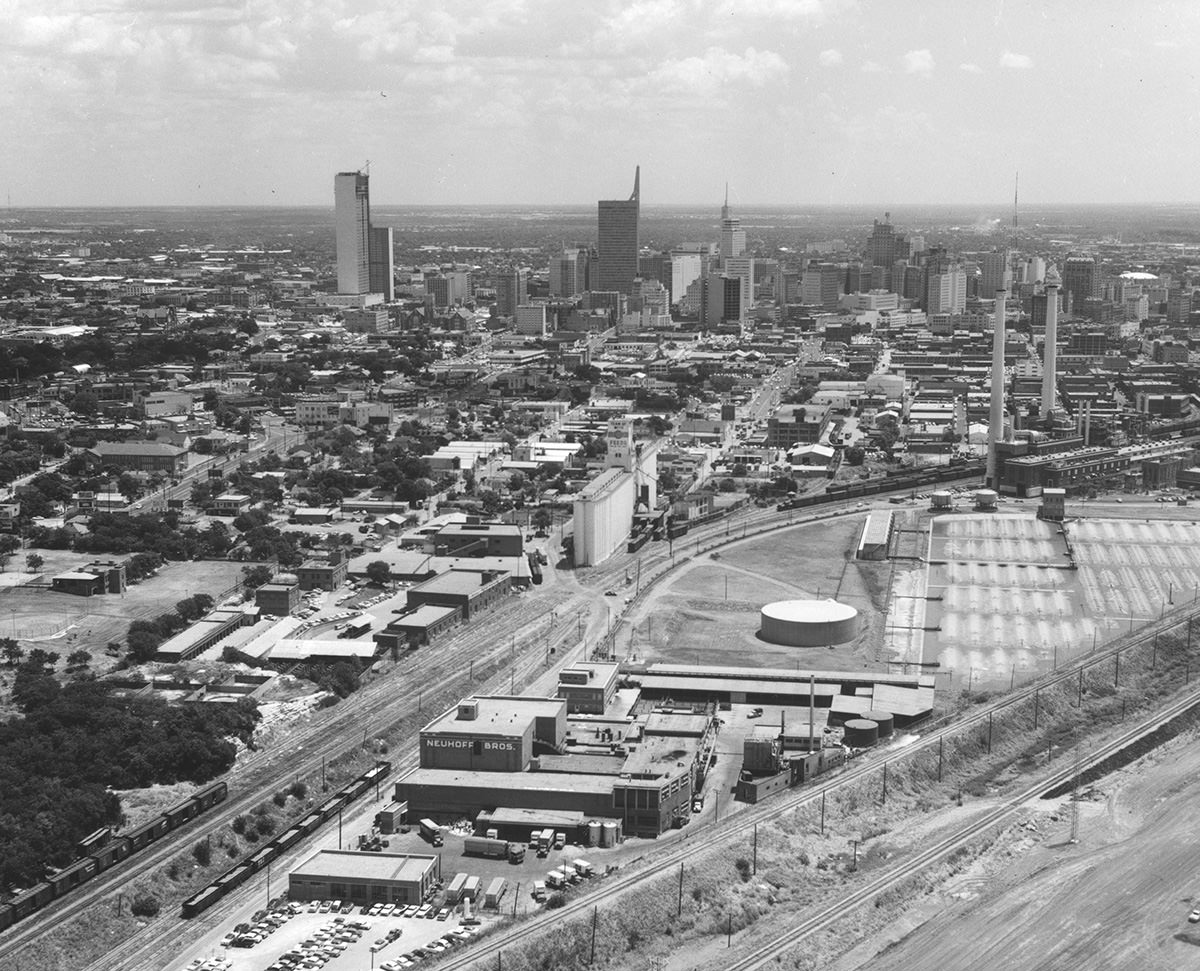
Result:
{"points": [[618, 241], [364, 253]]}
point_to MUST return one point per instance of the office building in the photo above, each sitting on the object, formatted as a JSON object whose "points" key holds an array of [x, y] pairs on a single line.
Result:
{"points": [[530, 320], [381, 263], [364, 252], [1080, 280], [352, 223], [618, 240], [944, 285], [733, 237], [570, 273], [994, 274], [511, 291]]}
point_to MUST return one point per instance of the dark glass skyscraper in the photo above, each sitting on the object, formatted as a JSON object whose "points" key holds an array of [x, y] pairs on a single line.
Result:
{"points": [[618, 241]]}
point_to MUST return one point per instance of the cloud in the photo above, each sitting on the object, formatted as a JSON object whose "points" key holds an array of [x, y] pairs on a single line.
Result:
{"points": [[872, 67], [919, 62], [971, 68], [1018, 62], [830, 58], [717, 68]]}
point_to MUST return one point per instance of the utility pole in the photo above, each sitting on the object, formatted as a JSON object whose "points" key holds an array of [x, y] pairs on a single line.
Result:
{"points": [[940, 741], [754, 855], [679, 906], [595, 918]]}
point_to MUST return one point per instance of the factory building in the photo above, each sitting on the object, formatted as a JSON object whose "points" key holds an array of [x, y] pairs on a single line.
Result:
{"points": [[604, 510], [516, 754], [493, 733], [588, 687], [364, 878]]}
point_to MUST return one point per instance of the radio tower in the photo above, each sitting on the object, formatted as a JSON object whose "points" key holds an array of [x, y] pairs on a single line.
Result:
{"points": [[1012, 243]]}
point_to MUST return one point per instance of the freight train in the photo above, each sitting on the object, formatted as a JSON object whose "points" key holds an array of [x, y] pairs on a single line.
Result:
{"points": [[101, 850], [240, 872], [893, 482]]}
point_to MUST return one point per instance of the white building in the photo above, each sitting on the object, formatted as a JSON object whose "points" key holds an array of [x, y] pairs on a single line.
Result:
{"points": [[603, 516], [352, 223], [530, 320]]}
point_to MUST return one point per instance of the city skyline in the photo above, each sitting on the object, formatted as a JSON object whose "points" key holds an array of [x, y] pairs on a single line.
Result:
{"points": [[533, 103]]}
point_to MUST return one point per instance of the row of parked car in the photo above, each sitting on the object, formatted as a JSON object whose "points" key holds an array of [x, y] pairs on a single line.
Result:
{"points": [[412, 910], [322, 946], [448, 941]]}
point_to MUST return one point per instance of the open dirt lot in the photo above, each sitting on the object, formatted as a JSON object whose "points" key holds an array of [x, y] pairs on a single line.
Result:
{"points": [[62, 622], [1119, 899], [707, 611]]}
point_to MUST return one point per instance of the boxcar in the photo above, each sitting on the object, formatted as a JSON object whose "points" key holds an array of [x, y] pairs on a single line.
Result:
{"points": [[310, 822], [26, 903], [6, 916], [146, 833], [89, 844], [178, 815], [207, 798], [331, 806], [72, 876], [110, 853]]}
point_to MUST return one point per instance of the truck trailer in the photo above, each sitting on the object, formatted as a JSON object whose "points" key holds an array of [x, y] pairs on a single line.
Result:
{"points": [[431, 831]]}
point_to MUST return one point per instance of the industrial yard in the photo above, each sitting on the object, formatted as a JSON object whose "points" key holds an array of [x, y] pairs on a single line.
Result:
{"points": [[707, 610]]}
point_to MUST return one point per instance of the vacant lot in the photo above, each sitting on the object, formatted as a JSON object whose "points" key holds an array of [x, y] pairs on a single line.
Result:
{"points": [[62, 622]]}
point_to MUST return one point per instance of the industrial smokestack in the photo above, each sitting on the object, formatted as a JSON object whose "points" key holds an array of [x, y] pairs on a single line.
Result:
{"points": [[996, 418], [1050, 348]]}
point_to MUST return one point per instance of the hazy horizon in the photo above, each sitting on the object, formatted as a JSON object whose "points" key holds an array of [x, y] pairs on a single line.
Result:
{"points": [[482, 102]]}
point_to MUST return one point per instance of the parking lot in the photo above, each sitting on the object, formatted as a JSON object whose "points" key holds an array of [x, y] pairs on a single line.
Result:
{"points": [[310, 936]]}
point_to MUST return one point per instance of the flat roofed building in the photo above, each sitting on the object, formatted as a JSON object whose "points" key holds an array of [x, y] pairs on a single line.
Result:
{"points": [[141, 456], [493, 733], [588, 687], [479, 539], [418, 627], [364, 877], [469, 591]]}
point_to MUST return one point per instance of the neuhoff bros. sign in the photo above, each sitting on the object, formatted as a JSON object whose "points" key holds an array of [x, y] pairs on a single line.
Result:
{"points": [[488, 746]]}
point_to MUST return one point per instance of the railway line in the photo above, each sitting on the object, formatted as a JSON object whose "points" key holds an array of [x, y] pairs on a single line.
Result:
{"points": [[768, 953], [857, 771], [374, 711]]}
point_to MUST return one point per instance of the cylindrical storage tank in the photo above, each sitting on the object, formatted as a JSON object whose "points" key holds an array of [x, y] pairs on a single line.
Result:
{"points": [[808, 623], [593, 836], [608, 834], [883, 719], [860, 733], [986, 499], [941, 499]]}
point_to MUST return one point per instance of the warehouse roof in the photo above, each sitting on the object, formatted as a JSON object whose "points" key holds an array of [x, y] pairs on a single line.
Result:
{"points": [[424, 616], [352, 865], [498, 782], [497, 715], [788, 674]]}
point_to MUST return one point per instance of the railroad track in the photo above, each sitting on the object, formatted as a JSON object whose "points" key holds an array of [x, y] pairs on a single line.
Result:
{"points": [[374, 709], [768, 952], [856, 772]]}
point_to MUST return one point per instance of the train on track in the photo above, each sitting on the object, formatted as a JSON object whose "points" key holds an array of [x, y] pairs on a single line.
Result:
{"points": [[240, 872], [893, 482], [102, 850]]}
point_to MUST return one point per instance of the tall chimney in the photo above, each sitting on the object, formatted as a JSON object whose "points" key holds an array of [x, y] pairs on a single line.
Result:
{"points": [[996, 418], [1050, 348]]}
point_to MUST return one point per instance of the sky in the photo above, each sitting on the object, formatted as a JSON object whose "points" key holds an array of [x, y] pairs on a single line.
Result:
{"points": [[553, 102]]}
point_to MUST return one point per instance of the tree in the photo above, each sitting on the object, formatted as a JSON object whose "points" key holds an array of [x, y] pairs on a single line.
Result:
{"points": [[79, 659], [542, 519], [255, 576], [378, 572], [34, 561], [144, 905], [855, 455], [85, 402], [12, 651], [8, 546], [727, 485]]}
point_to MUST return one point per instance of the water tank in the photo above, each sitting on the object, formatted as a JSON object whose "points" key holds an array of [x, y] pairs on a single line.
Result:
{"points": [[593, 834], [941, 499], [608, 834], [986, 499], [861, 733], [808, 623], [883, 719]]}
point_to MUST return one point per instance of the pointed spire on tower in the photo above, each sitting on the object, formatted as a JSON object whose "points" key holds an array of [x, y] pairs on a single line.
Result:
{"points": [[637, 183], [725, 208]]}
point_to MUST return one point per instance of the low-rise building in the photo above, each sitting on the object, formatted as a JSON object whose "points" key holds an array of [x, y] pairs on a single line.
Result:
{"points": [[365, 877]]}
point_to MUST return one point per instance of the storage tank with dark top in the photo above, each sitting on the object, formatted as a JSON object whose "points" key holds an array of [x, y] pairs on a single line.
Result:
{"points": [[883, 719], [860, 733]]}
